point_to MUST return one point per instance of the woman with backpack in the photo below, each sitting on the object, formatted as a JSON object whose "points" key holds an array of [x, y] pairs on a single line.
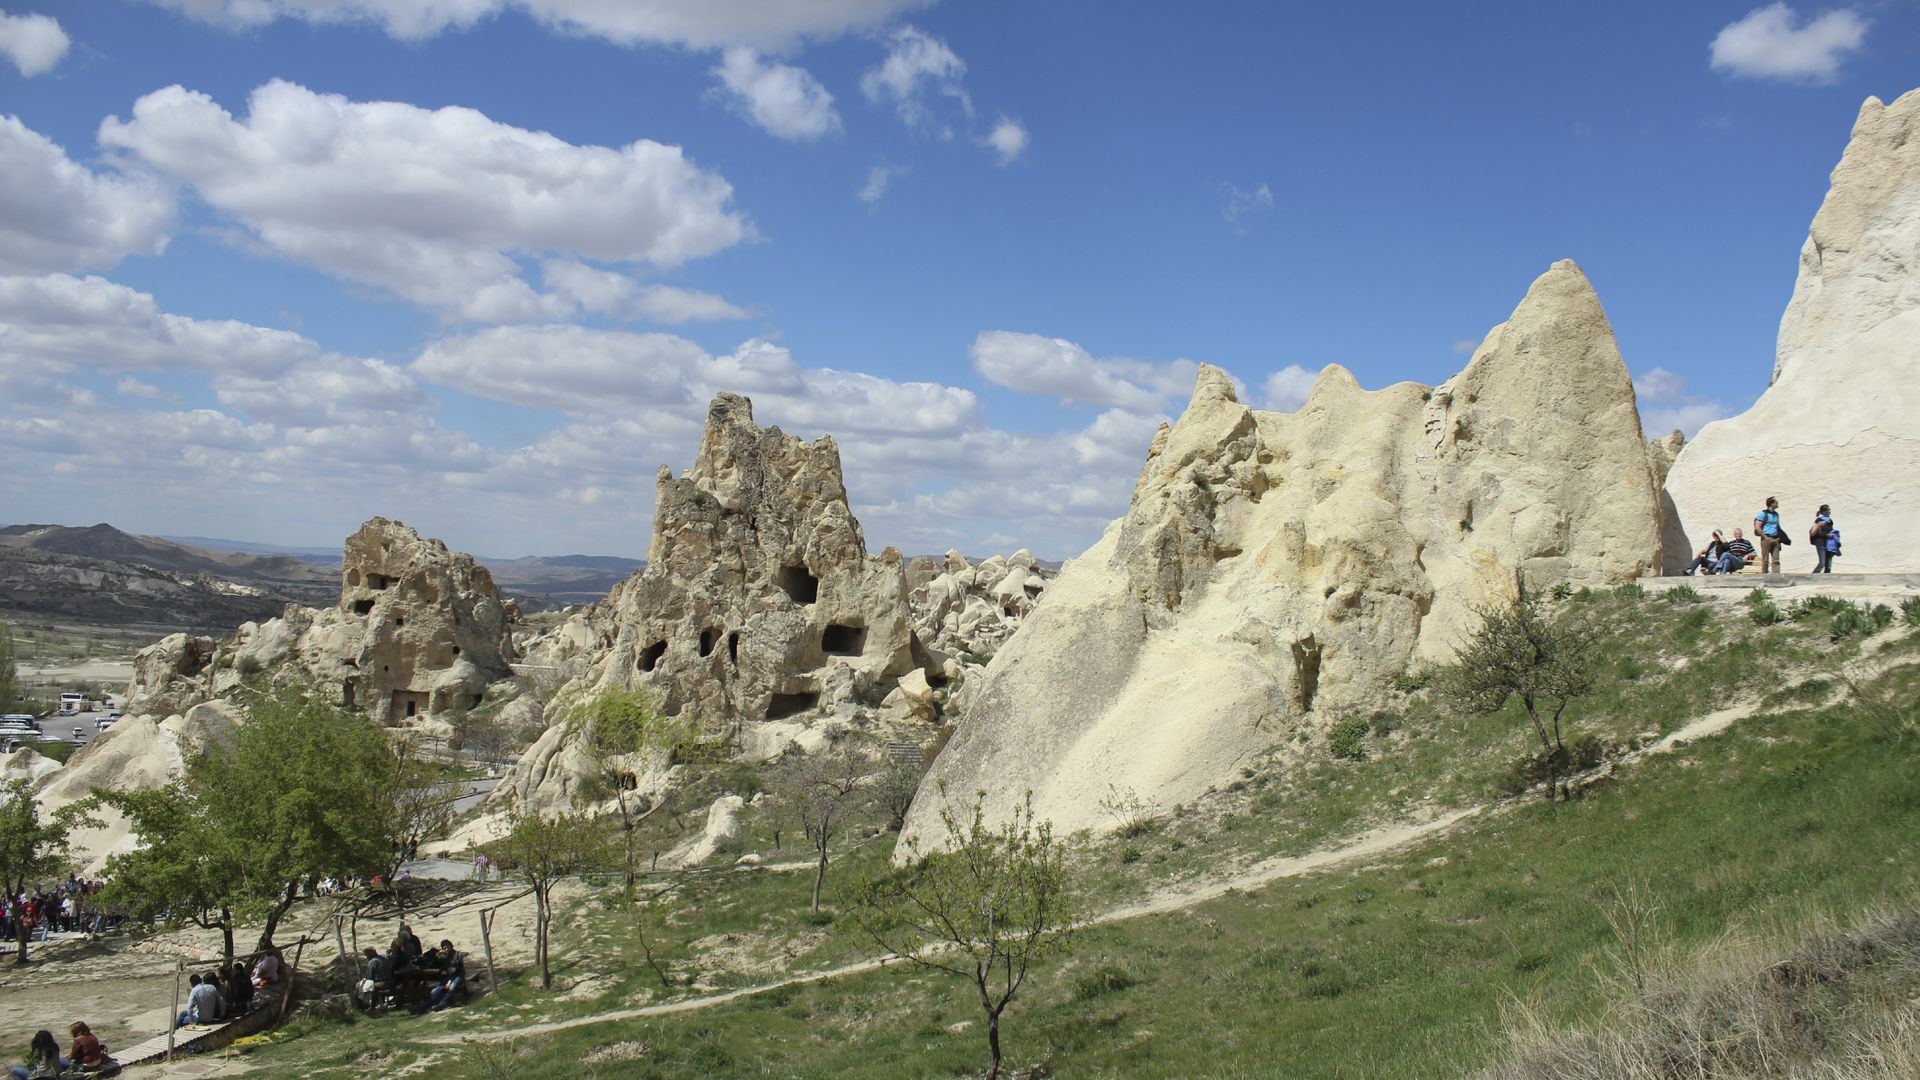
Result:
{"points": [[1817, 536]]}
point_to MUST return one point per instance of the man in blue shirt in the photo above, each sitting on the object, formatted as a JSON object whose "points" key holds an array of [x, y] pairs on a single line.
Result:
{"points": [[1766, 529]]}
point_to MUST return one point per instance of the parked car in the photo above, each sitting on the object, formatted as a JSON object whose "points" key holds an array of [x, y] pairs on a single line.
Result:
{"points": [[68, 712], [105, 722]]}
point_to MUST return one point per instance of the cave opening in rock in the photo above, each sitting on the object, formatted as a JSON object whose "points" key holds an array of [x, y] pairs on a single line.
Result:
{"points": [[353, 579], [800, 584], [456, 650], [379, 582], [733, 647], [708, 639], [652, 655], [363, 607], [841, 640], [785, 705], [399, 620]]}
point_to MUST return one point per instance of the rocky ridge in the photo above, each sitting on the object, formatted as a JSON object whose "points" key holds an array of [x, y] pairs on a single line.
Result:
{"points": [[1276, 568]]}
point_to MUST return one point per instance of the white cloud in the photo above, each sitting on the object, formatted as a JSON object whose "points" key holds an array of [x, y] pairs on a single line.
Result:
{"points": [[700, 24], [58, 215], [431, 205], [917, 63], [1242, 205], [1008, 140], [1036, 364], [879, 179], [1666, 406], [128, 386], [35, 43], [782, 99], [1286, 390], [606, 292], [1774, 42]]}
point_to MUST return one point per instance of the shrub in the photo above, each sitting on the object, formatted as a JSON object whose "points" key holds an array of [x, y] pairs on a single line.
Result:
{"points": [[1385, 722], [1882, 616], [1563, 591], [1850, 622], [1632, 590], [1347, 740], [1766, 612], [1415, 679], [1103, 980], [1684, 594], [1910, 608], [1759, 596], [1130, 855]]}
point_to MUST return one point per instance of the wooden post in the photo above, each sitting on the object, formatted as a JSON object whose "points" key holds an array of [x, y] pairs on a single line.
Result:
{"points": [[346, 962], [486, 942], [173, 1018]]}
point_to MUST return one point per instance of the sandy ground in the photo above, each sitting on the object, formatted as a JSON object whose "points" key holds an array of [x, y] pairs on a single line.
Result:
{"points": [[111, 672]]}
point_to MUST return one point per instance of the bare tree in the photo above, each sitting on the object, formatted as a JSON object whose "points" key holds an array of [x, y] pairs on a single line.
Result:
{"points": [[1521, 650], [621, 727], [542, 851], [986, 905], [894, 788], [822, 796]]}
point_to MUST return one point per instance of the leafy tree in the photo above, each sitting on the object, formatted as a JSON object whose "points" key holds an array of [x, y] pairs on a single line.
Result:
{"points": [[1521, 650], [822, 795], [9, 675], [188, 870], [986, 905], [622, 728], [542, 851], [304, 791], [33, 849]]}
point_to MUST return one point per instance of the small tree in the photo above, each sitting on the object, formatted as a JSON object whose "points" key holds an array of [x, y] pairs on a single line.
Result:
{"points": [[1521, 650], [542, 851], [822, 795], [32, 849], [894, 788], [419, 803], [622, 726], [986, 906]]}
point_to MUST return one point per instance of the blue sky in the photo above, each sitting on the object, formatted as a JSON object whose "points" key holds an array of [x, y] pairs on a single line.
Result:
{"points": [[270, 267]]}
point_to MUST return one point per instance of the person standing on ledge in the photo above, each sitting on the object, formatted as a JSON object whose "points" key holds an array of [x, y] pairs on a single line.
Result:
{"points": [[1817, 536], [1766, 529]]}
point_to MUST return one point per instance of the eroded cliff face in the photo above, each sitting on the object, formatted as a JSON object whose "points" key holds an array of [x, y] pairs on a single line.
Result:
{"points": [[759, 606], [1840, 422], [1279, 567]]}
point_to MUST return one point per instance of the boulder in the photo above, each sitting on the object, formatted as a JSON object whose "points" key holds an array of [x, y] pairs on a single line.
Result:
{"points": [[1840, 421], [1277, 567], [171, 675], [26, 764], [720, 835]]}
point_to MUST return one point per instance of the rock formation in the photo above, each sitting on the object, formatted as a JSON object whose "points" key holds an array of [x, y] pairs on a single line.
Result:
{"points": [[1840, 421], [1278, 567], [759, 603], [418, 629], [965, 609]]}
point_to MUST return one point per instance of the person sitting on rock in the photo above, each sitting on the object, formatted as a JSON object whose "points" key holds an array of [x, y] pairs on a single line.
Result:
{"points": [[204, 1004], [1708, 555], [266, 971], [1738, 551], [239, 987], [454, 976]]}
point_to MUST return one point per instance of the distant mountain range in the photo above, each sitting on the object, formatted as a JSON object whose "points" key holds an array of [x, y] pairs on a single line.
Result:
{"points": [[98, 573]]}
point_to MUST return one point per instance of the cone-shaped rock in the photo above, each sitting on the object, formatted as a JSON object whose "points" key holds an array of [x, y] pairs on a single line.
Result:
{"points": [[1840, 423], [1275, 568]]}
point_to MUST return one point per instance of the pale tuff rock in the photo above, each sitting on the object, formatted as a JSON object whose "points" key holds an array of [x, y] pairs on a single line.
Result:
{"points": [[1840, 423], [721, 834], [418, 629], [758, 602], [136, 754], [171, 675], [26, 764], [962, 608], [1278, 567]]}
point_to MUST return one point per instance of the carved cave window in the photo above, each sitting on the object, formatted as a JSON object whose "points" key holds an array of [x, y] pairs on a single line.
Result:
{"points": [[800, 585], [840, 640], [785, 705], [652, 655]]}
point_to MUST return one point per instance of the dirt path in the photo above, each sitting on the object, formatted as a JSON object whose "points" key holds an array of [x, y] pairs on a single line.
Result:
{"points": [[1376, 842]]}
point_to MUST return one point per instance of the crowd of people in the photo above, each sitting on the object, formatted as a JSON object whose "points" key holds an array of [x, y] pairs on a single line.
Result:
{"points": [[1723, 556], [225, 993], [407, 961], [71, 907]]}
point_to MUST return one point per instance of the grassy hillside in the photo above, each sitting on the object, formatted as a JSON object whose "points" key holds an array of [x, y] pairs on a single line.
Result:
{"points": [[1412, 963]]}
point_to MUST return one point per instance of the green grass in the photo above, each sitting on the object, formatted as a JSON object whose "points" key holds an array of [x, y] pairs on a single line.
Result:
{"points": [[1397, 968]]}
